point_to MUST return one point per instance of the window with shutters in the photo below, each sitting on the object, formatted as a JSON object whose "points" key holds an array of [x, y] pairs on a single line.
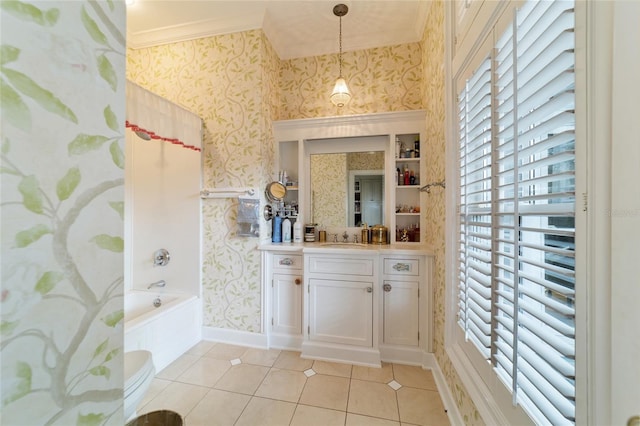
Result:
{"points": [[516, 131]]}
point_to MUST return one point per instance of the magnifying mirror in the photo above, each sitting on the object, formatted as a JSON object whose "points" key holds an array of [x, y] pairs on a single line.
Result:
{"points": [[275, 191]]}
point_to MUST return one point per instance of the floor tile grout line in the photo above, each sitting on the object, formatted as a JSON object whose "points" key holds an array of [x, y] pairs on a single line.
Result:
{"points": [[270, 370]]}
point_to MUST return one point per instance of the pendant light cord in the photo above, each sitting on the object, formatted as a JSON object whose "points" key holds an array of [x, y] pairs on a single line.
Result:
{"points": [[340, 38]]}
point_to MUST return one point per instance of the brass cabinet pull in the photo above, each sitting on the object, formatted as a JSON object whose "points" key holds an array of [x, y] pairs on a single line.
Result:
{"points": [[298, 281], [369, 290], [387, 287], [633, 421], [402, 267], [287, 261]]}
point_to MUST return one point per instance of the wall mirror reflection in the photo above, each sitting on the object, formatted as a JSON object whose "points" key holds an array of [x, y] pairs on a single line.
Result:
{"points": [[347, 189], [346, 181]]}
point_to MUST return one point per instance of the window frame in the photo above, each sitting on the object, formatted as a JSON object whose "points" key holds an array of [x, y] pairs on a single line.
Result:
{"points": [[492, 399]]}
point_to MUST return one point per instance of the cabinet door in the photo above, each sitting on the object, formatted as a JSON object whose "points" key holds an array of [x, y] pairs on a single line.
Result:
{"points": [[401, 312], [341, 311], [287, 303]]}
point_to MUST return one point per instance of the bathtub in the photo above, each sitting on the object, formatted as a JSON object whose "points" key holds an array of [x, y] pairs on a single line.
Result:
{"points": [[167, 331]]}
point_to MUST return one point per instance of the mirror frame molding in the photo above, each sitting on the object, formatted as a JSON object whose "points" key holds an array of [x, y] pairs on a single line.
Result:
{"points": [[305, 132]]}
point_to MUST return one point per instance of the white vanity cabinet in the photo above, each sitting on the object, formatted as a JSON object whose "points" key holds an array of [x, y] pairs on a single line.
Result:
{"points": [[286, 278], [360, 304], [341, 306], [340, 299], [401, 301]]}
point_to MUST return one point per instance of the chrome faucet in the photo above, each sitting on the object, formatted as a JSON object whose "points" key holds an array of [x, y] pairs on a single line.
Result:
{"points": [[160, 283], [345, 237]]}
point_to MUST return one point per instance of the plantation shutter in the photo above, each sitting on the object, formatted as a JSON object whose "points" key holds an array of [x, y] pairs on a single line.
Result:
{"points": [[517, 209], [475, 208], [534, 264]]}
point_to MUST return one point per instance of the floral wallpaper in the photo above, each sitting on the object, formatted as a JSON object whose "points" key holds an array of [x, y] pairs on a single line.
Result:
{"points": [[380, 79], [365, 161], [62, 83], [230, 81], [433, 204], [328, 177]]}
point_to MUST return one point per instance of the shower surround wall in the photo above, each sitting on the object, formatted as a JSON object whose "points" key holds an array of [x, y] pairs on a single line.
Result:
{"points": [[162, 210]]}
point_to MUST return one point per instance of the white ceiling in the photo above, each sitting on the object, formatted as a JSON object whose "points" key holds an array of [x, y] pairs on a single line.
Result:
{"points": [[296, 28]]}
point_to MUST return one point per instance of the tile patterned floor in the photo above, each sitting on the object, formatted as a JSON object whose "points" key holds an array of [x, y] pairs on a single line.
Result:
{"points": [[220, 384]]}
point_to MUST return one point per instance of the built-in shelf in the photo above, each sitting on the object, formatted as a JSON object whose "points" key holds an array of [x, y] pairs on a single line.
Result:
{"points": [[407, 197]]}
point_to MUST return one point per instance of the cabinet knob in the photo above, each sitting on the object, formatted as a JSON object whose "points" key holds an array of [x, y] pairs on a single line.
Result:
{"points": [[387, 287], [369, 290], [298, 281], [287, 261]]}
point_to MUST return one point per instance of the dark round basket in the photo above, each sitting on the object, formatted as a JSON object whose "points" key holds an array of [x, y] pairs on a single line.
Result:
{"points": [[157, 418]]}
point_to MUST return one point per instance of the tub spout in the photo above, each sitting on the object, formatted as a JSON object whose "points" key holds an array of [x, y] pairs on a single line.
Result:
{"points": [[160, 283]]}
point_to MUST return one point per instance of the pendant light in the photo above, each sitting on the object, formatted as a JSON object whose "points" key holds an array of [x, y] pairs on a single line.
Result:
{"points": [[340, 95]]}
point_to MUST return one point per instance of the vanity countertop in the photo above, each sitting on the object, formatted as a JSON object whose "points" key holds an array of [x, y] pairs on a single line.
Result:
{"points": [[347, 248]]}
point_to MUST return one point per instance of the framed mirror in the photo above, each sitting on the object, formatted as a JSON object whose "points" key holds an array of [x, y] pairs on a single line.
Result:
{"points": [[346, 179]]}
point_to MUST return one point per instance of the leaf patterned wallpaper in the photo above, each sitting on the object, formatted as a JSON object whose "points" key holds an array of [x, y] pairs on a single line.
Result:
{"points": [[380, 79], [433, 204], [231, 82], [328, 180], [62, 82], [365, 161]]}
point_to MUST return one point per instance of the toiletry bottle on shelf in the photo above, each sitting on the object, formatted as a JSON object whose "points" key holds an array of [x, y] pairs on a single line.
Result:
{"points": [[398, 145], [400, 177], [364, 234], [286, 230], [276, 230], [412, 178], [416, 148], [406, 175], [297, 230]]}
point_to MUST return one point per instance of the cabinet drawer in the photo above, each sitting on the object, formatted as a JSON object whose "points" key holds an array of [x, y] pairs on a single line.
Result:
{"points": [[289, 262], [401, 267], [337, 265]]}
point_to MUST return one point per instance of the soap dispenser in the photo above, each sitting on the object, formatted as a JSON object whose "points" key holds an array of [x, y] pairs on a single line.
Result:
{"points": [[276, 230], [286, 230]]}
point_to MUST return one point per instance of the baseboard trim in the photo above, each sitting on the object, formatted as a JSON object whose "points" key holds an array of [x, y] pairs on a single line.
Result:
{"points": [[401, 355], [235, 337], [286, 342], [479, 393], [355, 355], [445, 393]]}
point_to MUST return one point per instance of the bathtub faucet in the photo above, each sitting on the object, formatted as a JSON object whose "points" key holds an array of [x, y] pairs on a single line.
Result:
{"points": [[160, 283]]}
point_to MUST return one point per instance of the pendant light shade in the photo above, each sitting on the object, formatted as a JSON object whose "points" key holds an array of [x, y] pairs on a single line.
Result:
{"points": [[340, 95]]}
